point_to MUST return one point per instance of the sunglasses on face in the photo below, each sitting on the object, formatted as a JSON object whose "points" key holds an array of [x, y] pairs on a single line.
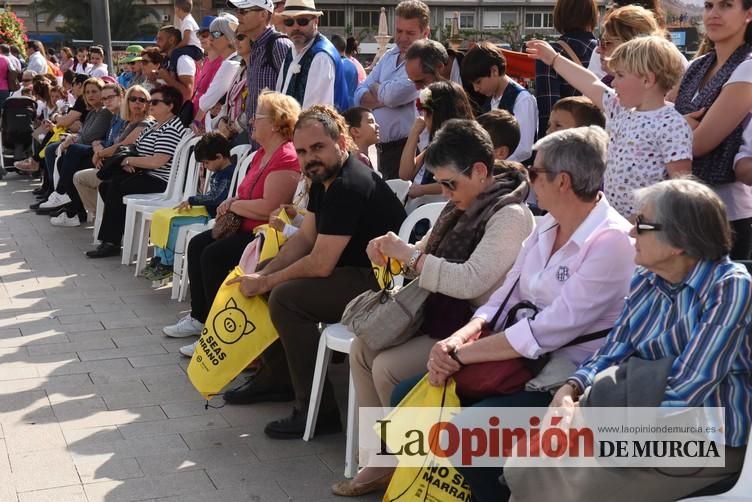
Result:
{"points": [[451, 183], [216, 34], [135, 99], [642, 225], [301, 21], [534, 172], [156, 101]]}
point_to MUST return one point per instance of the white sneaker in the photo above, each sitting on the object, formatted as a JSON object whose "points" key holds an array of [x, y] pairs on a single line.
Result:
{"points": [[188, 350], [63, 220], [55, 200], [185, 327]]}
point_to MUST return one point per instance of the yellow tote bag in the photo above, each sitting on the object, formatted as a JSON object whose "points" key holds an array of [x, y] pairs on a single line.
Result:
{"points": [[272, 240], [160, 223], [237, 331], [383, 275], [57, 133], [437, 480]]}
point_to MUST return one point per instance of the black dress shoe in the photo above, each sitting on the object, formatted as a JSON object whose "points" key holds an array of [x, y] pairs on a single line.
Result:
{"points": [[39, 190], [104, 250], [56, 212], [36, 205], [293, 427], [52, 211], [255, 391]]}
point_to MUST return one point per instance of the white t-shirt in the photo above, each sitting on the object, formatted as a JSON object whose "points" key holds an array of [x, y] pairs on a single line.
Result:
{"points": [[525, 110], [639, 147], [83, 69], [737, 196], [190, 24], [186, 66], [319, 88], [99, 70]]}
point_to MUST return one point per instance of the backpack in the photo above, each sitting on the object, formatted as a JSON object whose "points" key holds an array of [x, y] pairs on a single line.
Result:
{"points": [[269, 50]]}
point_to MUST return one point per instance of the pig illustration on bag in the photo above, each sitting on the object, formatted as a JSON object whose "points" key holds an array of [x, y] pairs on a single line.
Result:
{"points": [[231, 324]]}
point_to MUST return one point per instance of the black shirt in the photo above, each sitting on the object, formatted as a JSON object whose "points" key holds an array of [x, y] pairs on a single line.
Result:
{"points": [[80, 107], [358, 203]]}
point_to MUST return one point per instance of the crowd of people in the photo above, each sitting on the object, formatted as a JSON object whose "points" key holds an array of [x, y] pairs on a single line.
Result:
{"points": [[591, 220]]}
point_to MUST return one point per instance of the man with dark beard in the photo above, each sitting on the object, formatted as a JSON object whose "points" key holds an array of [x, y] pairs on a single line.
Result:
{"points": [[319, 270]]}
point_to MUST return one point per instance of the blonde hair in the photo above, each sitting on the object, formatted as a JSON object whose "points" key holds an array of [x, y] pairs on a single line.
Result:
{"points": [[125, 110], [283, 111], [626, 23], [652, 54]]}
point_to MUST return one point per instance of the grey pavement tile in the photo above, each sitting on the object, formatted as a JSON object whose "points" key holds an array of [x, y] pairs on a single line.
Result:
{"points": [[196, 460], [211, 420], [260, 492], [155, 360], [219, 438], [114, 417], [73, 493], [148, 487], [75, 366], [106, 467], [56, 465], [145, 398], [92, 435], [33, 437], [117, 352], [73, 346], [104, 375], [42, 337], [97, 444]]}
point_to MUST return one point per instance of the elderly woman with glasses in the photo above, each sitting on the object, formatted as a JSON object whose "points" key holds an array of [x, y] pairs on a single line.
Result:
{"points": [[461, 262], [224, 42], [690, 304], [562, 295], [147, 172]]}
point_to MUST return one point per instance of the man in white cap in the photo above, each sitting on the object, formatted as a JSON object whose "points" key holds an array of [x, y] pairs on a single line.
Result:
{"points": [[312, 54], [389, 92], [268, 49]]}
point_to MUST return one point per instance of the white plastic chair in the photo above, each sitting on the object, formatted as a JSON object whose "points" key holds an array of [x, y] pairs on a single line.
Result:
{"points": [[145, 212], [337, 338], [417, 202], [400, 188], [174, 189], [742, 490], [188, 232]]}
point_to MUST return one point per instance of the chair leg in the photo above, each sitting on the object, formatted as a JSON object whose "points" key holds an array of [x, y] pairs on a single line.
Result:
{"points": [[177, 277], [142, 245], [351, 446], [319, 377], [98, 218]]}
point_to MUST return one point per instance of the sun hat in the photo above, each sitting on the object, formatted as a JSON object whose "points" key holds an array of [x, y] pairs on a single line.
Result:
{"points": [[267, 5], [300, 8], [132, 54], [206, 21], [226, 24]]}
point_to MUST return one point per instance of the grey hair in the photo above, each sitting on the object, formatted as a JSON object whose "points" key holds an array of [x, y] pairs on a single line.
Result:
{"points": [[227, 24], [431, 54], [581, 153], [692, 215]]}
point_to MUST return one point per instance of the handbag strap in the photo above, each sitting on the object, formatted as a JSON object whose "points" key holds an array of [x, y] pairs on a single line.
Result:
{"points": [[570, 52], [588, 337], [503, 305]]}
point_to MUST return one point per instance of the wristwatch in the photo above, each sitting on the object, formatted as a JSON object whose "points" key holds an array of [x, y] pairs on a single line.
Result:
{"points": [[413, 261], [453, 355]]}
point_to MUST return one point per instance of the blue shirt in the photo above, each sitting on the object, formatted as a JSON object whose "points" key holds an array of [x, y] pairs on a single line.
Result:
{"points": [[219, 188], [117, 126], [704, 322]]}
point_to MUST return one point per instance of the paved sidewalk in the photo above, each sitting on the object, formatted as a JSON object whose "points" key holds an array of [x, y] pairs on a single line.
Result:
{"points": [[94, 401]]}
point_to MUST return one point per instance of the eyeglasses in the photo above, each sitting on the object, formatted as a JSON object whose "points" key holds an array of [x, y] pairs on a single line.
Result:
{"points": [[241, 37], [533, 172], [451, 184], [216, 34], [646, 226], [135, 99], [301, 21], [156, 101]]}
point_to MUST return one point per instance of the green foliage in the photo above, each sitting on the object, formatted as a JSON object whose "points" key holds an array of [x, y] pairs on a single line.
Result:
{"points": [[13, 31], [129, 19]]}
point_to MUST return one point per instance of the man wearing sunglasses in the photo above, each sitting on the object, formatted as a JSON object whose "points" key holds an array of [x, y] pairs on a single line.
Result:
{"points": [[312, 54], [268, 49], [389, 92]]}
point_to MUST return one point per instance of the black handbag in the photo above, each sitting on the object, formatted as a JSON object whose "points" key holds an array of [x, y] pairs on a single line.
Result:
{"points": [[113, 164]]}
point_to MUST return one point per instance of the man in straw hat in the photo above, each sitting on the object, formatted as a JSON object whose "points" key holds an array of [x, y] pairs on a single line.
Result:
{"points": [[389, 92], [312, 54]]}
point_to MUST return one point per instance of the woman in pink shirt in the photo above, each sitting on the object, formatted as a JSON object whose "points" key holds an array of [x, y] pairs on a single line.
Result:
{"points": [[4, 84]]}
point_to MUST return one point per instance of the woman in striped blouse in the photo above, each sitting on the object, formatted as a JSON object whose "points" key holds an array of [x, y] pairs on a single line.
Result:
{"points": [[147, 172], [689, 302]]}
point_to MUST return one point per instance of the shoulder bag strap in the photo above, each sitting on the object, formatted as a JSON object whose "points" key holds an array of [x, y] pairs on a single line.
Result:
{"points": [[503, 305], [570, 52]]}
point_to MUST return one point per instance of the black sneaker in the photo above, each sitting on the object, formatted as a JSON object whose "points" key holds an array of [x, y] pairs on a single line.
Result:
{"points": [[255, 391], [293, 427]]}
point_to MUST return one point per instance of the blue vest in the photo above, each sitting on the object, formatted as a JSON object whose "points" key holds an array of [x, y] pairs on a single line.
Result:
{"points": [[508, 98], [296, 89]]}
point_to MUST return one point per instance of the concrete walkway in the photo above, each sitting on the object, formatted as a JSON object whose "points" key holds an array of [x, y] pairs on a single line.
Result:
{"points": [[94, 401]]}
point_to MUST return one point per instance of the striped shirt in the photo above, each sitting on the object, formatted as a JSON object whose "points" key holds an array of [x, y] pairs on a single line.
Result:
{"points": [[704, 322], [161, 139]]}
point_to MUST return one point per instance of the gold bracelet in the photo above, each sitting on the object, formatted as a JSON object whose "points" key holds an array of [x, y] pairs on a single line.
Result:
{"points": [[553, 61]]}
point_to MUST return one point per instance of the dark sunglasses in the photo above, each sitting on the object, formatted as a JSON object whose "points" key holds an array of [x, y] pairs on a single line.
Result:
{"points": [[241, 37], [134, 99], [216, 34], [301, 21], [534, 172], [156, 101], [646, 226], [451, 184]]}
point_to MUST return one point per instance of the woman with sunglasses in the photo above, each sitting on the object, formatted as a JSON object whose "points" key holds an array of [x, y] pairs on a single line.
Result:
{"points": [[561, 296], [223, 40], [687, 302], [131, 120], [461, 262], [147, 172]]}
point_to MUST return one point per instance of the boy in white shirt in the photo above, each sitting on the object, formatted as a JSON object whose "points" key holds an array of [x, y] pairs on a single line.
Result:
{"points": [[649, 140], [190, 44]]}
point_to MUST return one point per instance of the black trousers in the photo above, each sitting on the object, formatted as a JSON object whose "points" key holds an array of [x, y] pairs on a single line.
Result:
{"points": [[209, 262], [112, 192], [389, 158], [742, 247]]}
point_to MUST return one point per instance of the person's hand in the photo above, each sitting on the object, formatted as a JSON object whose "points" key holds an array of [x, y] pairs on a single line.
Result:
{"points": [[694, 118], [126, 166], [439, 360], [418, 126], [97, 147], [226, 130], [290, 209], [183, 206], [48, 124], [251, 284], [388, 246], [164, 74], [540, 50], [225, 206], [565, 397], [415, 191]]}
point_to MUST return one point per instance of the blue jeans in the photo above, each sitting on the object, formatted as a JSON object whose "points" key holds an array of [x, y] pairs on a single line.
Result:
{"points": [[49, 158], [484, 481], [166, 255]]}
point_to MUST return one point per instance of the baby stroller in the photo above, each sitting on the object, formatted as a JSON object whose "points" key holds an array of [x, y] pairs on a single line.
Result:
{"points": [[17, 125]]}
